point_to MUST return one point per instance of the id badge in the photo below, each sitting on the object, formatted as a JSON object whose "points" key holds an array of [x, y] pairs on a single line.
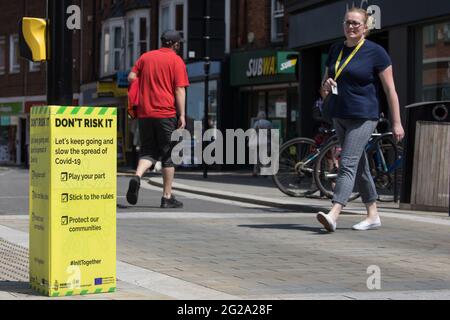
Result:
{"points": [[334, 90]]}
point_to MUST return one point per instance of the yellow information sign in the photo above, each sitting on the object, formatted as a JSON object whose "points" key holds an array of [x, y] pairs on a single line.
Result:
{"points": [[73, 158]]}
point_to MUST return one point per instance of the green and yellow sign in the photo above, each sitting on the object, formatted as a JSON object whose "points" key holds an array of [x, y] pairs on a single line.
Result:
{"points": [[73, 156], [263, 67], [11, 108]]}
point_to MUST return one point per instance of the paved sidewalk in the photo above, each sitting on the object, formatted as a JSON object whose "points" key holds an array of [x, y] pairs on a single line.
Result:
{"points": [[241, 186], [221, 249]]}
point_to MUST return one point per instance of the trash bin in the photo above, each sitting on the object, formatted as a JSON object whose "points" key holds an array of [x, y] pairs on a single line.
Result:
{"points": [[426, 164]]}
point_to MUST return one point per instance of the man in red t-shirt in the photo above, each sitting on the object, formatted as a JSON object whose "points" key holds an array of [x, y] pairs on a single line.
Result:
{"points": [[162, 82]]}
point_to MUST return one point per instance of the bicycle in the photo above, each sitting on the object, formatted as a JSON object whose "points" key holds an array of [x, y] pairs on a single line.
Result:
{"points": [[296, 164], [384, 160]]}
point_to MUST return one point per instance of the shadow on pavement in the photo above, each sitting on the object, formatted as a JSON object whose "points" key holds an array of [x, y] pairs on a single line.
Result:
{"points": [[125, 207], [281, 211], [240, 179], [16, 287], [299, 227]]}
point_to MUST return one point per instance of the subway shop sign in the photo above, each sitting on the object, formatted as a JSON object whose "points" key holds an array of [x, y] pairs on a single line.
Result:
{"points": [[263, 67]]}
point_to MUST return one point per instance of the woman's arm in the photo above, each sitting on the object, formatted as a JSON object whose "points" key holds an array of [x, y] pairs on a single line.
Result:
{"points": [[387, 79]]}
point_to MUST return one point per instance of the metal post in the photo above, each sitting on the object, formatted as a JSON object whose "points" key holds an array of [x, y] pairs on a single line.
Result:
{"points": [[207, 67], [59, 67]]}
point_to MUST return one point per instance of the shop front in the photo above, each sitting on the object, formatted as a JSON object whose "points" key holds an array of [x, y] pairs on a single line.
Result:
{"points": [[266, 81], [10, 140]]}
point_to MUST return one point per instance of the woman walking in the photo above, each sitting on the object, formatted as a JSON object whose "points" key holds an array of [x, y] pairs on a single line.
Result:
{"points": [[351, 77]]}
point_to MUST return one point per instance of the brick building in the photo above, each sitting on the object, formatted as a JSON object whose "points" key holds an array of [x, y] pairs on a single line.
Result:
{"points": [[258, 52], [115, 33]]}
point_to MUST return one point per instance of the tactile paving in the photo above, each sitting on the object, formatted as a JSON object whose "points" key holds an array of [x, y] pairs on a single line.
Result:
{"points": [[14, 263]]}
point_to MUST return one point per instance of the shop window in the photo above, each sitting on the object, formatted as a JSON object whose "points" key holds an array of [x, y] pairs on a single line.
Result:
{"points": [[278, 111], [196, 100], [2, 55], [14, 63], [112, 47], [173, 15], [277, 20], [138, 35], [434, 67]]}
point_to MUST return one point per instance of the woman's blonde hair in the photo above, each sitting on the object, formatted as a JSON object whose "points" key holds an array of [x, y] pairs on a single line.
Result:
{"points": [[366, 16]]}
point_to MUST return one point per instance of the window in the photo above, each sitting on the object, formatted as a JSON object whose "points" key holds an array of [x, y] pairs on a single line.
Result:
{"points": [[277, 20], [14, 63], [2, 54], [117, 48], [165, 18], [429, 35], [143, 42], [138, 35], [106, 46], [130, 47], [433, 63], [112, 47], [173, 15], [447, 32], [34, 66]]}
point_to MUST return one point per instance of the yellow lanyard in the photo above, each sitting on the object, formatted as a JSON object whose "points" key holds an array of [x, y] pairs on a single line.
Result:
{"points": [[350, 57]]}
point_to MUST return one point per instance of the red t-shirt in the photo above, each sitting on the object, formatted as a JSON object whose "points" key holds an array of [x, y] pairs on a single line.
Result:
{"points": [[160, 72]]}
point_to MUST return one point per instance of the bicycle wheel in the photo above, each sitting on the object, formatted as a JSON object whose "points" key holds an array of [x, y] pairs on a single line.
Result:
{"points": [[385, 166], [327, 168], [296, 163]]}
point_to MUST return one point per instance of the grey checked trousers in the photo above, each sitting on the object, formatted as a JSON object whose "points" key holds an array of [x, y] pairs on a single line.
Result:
{"points": [[353, 135]]}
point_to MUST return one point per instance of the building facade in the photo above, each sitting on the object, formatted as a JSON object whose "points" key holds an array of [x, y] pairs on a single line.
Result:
{"points": [[23, 83], [263, 73]]}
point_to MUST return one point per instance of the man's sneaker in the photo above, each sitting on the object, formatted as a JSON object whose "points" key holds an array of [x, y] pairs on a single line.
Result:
{"points": [[133, 190], [326, 221], [171, 203], [366, 225]]}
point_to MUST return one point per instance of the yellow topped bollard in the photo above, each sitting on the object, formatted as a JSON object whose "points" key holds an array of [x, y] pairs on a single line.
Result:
{"points": [[73, 165]]}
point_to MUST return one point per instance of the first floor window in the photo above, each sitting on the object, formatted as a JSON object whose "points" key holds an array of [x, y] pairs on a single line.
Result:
{"points": [[106, 46], [2, 54], [277, 20], [138, 35], [112, 47], [14, 63]]}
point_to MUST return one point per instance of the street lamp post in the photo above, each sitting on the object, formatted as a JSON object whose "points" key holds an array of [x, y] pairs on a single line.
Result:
{"points": [[59, 66], [207, 67]]}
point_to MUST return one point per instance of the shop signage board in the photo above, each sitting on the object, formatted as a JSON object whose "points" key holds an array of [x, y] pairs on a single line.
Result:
{"points": [[263, 67], [73, 156], [11, 108]]}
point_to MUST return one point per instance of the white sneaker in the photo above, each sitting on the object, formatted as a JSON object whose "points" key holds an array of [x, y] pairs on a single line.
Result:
{"points": [[365, 225], [326, 221]]}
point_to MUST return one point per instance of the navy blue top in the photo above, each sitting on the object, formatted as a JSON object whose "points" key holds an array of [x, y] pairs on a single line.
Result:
{"points": [[359, 83]]}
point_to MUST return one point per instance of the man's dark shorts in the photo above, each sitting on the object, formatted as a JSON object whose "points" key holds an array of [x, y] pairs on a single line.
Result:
{"points": [[156, 144]]}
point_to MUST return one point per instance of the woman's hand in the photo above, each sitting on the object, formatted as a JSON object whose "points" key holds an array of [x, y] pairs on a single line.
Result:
{"points": [[327, 86], [398, 132]]}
